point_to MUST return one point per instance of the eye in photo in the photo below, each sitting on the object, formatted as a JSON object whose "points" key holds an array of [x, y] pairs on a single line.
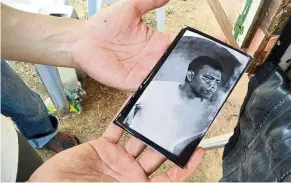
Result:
{"points": [[173, 109]]}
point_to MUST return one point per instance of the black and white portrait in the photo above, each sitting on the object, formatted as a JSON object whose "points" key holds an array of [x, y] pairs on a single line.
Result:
{"points": [[182, 100]]}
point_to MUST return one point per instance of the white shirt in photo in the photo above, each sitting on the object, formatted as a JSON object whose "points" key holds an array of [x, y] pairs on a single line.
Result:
{"points": [[165, 117]]}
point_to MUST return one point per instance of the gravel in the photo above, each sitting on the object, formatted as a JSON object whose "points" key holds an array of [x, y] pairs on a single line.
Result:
{"points": [[28, 74]]}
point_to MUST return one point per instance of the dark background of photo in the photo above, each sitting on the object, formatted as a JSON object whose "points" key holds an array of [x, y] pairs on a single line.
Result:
{"points": [[189, 48]]}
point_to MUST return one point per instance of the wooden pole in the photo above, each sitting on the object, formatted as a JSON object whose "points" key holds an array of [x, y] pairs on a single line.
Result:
{"points": [[215, 142], [223, 21]]}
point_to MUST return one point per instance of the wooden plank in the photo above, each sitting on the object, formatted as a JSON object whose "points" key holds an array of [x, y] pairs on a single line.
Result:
{"points": [[248, 16], [260, 49], [257, 49], [256, 43], [271, 43], [282, 18], [223, 21], [275, 16], [258, 19], [272, 18]]}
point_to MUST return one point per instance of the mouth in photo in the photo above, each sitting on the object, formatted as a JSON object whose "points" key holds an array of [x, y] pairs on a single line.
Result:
{"points": [[209, 92]]}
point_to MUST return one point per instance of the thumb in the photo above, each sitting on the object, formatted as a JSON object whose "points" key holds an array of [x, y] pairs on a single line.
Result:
{"points": [[144, 6]]}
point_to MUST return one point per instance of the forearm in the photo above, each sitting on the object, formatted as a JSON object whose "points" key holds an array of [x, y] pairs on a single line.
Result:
{"points": [[38, 38]]}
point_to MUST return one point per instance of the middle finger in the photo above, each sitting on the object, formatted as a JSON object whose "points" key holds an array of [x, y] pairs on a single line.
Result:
{"points": [[151, 160], [134, 147]]}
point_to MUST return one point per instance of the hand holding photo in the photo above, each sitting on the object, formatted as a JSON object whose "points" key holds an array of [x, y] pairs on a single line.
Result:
{"points": [[173, 109]]}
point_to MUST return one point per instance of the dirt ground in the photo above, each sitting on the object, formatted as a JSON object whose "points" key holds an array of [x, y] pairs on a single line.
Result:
{"points": [[102, 102]]}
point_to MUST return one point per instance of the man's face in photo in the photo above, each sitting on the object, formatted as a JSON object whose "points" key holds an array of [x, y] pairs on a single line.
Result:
{"points": [[206, 81]]}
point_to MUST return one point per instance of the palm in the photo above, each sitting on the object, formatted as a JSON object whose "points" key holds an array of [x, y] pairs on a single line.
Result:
{"points": [[117, 48], [97, 160], [104, 160]]}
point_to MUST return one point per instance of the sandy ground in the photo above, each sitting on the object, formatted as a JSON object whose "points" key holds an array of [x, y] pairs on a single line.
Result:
{"points": [[103, 102]]}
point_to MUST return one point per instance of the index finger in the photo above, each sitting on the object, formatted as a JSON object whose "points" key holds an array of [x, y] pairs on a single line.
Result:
{"points": [[113, 132]]}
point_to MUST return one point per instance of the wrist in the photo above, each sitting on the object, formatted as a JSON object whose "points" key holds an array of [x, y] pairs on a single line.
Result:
{"points": [[63, 42], [36, 38]]}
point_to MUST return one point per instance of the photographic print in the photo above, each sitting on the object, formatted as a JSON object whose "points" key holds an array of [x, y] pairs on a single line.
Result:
{"points": [[185, 92]]}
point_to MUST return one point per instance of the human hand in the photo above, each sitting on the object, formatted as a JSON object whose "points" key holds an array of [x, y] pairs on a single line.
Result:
{"points": [[116, 48], [104, 160]]}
